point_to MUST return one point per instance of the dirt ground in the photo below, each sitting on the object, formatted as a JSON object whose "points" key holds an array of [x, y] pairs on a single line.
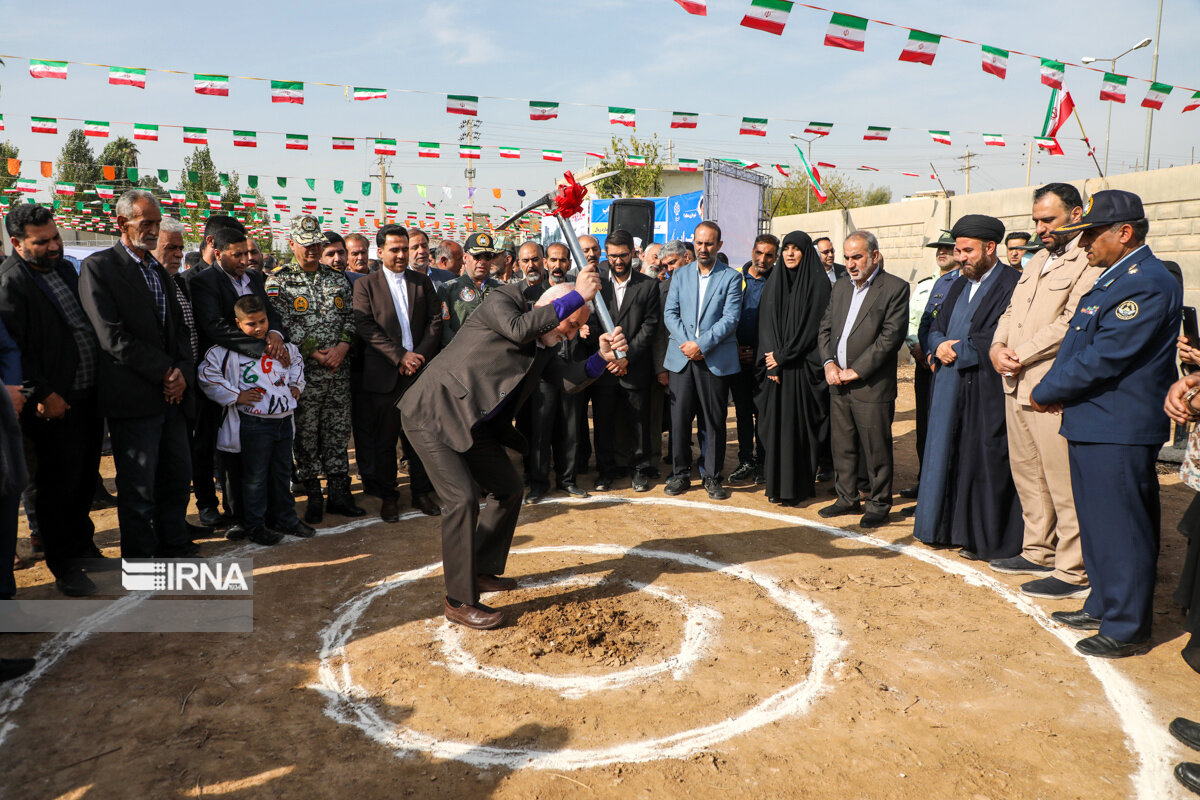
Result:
{"points": [[939, 687]]}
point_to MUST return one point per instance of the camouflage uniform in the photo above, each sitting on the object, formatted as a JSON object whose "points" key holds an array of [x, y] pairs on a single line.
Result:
{"points": [[460, 298]]}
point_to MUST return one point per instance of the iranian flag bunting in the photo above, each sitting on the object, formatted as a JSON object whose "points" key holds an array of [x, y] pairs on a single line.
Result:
{"points": [[469, 151], [819, 128], [343, 143], [215, 85], [1156, 96], [768, 15], [921, 47], [1113, 87], [1052, 73], [635, 161], [941, 137], [876, 133], [783, 170], [43, 124], [177, 195], [127, 76], [428, 149], [510, 152], [1049, 144], [552, 155], [622, 116], [1, 122], [601, 156], [26, 185], [993, 139], [848, 32], [214, 199], [814, 177], [62, 187], [689, 165], [108, 192], [995, 61], [1193, 103], [697, 7], [249, 201], [145, 132], [542, 109], [48, 69], [753, 126], [93, 127], [864, 168], [684, 119], [280, 201], [364, 93], [385, 147], [195, 135], [287, 92], [465, 104], [245, 139], [296, 141]]}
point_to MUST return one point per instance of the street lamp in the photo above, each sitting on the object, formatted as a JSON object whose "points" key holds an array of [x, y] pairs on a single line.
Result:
{"points": [[1113, 69]]}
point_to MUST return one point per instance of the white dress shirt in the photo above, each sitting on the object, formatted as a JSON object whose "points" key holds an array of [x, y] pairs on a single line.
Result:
{"points": [[702, 282], [857, 295], [619, 288], [974, 285], [399, 289]]}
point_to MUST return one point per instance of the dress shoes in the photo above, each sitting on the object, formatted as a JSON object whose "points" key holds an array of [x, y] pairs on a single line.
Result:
{"points": [[873, 519], [712, 485], [603, 483], [910, 493], [260, 534], [195, 532], [298, 529], [969, 555], [102, 499], [1053, 588], [743, 474], [641, 481], [213, 518], [839, 509], [824, 475], [1079, 620], [908, 511], [494, 583], [573, 490], [534, 496], [1018, 565], [1188, 774], [676, 486], [1186, 731], [14, 667], [424, 503], [389, 510], [236, 532], [478, 616], [1102, 646], [75, 584]]}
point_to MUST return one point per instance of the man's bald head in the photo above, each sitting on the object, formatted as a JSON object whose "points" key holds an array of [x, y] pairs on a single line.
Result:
{"points": [[570, 326]]}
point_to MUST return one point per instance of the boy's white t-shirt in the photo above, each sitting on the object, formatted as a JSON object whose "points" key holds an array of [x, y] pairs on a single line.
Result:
{"points": [[224, 374]]}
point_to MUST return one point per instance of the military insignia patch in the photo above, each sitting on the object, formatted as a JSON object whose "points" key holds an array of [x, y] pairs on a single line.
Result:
{"points": [[1089, 310], [300, 304], [339, 302], [1088, 210], [445, 312], [484, 240], [272, 291], [1127, 310], [467, 295]]}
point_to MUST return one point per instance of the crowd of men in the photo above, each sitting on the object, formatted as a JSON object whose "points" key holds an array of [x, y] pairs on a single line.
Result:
{"points": [[1039, 386]]}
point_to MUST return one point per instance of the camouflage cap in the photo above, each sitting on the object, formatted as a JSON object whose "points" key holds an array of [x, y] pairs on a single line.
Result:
{"points": [[306, 230]]}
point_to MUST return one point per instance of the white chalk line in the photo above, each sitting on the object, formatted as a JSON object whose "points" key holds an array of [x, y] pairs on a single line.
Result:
{"points": [[349, 703], [697, 636]]}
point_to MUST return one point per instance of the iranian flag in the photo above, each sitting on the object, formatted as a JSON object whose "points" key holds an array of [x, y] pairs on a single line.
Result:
{"points": [[1113, 87], [145, 132], [191, 204], [542, 109], [848, 32], [429, 150], [107, 192], [214, 199], [635, 161], [43, 124], [48, 69], [865, 168], [995, 61], [469, 151], [510, 152], [127, 76], [365, 93], [697, 7], [309, 203], [1057, 112], [814, 177], [622, 116], [245, 139], [753, 126], [768, 15], [195, 135], [921, 47], [689, 165], [1193, 103], [296, 141], [177, 195], [465, 104], [385, 147], [993, 139], [93, 127], [62, 187], [249, 201], [552, 155], [601, 156], [287, 92], [346, 143], [1050, 145], [876, 133], [215, 85], [280, 202], [1052, 73], [1, 122], [941, 137], [819, 128], [1157, 95], [684, 119], [25, 185]]}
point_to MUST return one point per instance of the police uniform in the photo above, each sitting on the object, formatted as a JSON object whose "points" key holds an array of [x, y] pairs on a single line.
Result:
{"points": [[460, 297], [1113, 369], [317, 312]]}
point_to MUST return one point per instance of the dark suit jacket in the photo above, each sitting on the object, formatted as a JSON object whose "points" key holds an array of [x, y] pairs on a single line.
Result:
{"points": [[487, 371], [39, 326], [640, 317], [874, 340], [136, 350], [376, 323], [212, 297]]}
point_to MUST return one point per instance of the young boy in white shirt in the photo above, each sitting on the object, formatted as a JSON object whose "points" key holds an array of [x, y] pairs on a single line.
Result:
{"points": [[259, 396]]}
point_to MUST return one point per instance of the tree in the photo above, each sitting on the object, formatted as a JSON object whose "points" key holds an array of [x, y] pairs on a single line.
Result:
{"points": [[76, 163], [793, 195], [632, 181], [7, 150]]}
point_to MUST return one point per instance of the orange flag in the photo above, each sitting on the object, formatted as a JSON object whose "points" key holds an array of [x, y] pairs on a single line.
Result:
{"points": [[496, 193], [14, 167], [110, 173], [47, 169]]}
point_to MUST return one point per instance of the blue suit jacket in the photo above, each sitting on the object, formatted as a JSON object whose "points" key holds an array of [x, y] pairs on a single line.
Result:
{"points": [[716, 333], [1118, 358]]}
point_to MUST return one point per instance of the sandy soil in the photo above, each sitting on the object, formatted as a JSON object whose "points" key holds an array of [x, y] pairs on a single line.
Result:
{"points": [[941, 689]]}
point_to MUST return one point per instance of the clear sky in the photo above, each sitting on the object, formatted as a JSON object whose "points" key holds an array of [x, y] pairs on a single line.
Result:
{"points": [[637, 53]]}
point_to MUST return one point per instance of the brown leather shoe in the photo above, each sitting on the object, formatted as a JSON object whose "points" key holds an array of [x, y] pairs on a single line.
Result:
{"points": [[424, 504], [478, 616], [389, 511], [494, 583]]}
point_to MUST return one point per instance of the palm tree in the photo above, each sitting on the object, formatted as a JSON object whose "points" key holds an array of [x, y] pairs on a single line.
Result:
{"points": [[120, 152]]}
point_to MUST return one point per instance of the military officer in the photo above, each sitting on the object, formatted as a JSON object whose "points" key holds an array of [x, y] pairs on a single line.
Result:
{"points": [[316, 305], [462, 296], [1115, 365]]}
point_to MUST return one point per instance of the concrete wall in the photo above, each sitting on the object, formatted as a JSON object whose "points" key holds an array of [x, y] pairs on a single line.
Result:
{"points": [[1171, 198]]}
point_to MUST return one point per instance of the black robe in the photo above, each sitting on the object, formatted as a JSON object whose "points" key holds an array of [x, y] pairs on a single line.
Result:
{"points": [[791, 417]]}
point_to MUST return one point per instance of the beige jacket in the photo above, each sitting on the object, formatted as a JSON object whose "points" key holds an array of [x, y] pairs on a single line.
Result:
{"points": [[1040, 312]]}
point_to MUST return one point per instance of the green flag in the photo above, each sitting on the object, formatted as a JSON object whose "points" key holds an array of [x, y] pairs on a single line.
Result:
{"points": [[282, 182], [131, 173], [193, 176], [338, 186], [366, 189], [224, 178], [162, 176], [252, 181], [312, 182], [107, 208], [395, 188]]}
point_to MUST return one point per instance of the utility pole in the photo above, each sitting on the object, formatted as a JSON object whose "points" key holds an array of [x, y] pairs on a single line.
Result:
{"points": [[1153, 78], [967, 167], [383, 176], [469, 173], [1029, 163]]}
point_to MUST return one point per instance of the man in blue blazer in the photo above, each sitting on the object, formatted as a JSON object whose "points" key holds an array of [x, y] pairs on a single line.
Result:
{"points": [[701, 314]]}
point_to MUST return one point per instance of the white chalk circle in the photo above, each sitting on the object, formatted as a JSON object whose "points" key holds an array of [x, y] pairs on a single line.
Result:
{"points": [[349, 703], [698, 623]]}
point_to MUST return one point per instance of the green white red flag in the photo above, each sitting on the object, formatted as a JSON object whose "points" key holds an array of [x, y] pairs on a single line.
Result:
{"points": [[127, 76], [782, 169], [97, 128], [1113, 87], [1051, 146], [995, 61], [697, 7], [429, 149], [62, 187], [344, 143], [1157, 96], [921, 47], [177, 195], [287, 92], [618, 115], [105, 192], [684, 119], [768, 15], [814, 177], [542, 109], [25, 185], [848, 32], [510, 152], [819, 128], [941, 137], [689, 165], [594, 154], [1053, 73], [296, 141], [469, 151], [215, 85], [465, 104], [245, 139], [145, 132], [1193, 103], [993, 139], [753, 126], [43, 124], [195, 135], [1057, 112], [365, 93], [552, 155], [385, 147], [876, 133], [635, 161], [48, 69]]}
